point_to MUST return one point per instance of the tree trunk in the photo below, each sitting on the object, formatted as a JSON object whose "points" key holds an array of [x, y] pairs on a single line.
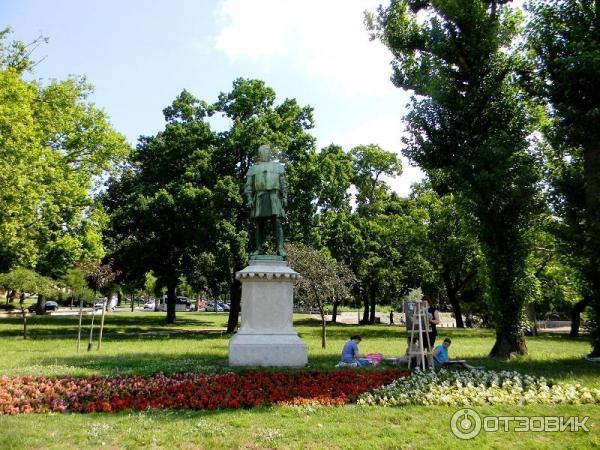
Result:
{"points": [[323, 328], [89, 347], [591, 170], [334, 312], [23, 314], [79, 327], [102, 326], [578, 308], [171, 299], [453, 299], [508, 343], [365, 296], [504, 267], [594, 280], [235, 293], [372, 301], [509, 336], [41, 305]]}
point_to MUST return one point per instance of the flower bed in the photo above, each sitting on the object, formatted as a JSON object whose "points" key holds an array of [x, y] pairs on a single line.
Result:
{"points": [[477, 387], [186, 391]]}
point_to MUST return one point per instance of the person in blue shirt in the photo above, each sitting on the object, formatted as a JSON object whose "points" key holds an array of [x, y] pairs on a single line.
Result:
{"points": [[440, 353], [441, 358], [351, 354]]}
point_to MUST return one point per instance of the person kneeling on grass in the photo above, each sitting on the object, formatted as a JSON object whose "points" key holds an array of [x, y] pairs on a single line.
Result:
{"points": [[441, 358], [351, 355]]}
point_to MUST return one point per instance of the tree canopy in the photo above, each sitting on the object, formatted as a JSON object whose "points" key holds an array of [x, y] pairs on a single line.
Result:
{"points": [[56, 146], [468, 128], [565, 41]]}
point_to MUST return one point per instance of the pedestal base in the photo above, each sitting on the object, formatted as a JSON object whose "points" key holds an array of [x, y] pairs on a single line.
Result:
{"points": [[266, 337], [267, 350]]}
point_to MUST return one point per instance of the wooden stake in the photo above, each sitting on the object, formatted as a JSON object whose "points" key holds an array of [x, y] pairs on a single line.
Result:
{"points": [[92, 329], [24, 315], [102, 325], [79, 329]]}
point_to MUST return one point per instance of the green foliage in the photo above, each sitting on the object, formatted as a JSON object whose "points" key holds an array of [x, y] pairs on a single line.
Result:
{"points": [[150, 283], [55, 148], [323, 280], [556, 280], [375, 239], [75, 281], [452, 251], [565, 50], [468, 130], [25, 280], [160, 208], [16, 55], [370, 162], [179, 210], [336, 175]]}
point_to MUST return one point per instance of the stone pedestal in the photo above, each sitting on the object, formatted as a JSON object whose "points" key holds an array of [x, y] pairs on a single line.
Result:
{"points": [[266, 337]]}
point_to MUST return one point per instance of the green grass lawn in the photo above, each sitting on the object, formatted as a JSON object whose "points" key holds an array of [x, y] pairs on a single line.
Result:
{"points": [[139, 343]]}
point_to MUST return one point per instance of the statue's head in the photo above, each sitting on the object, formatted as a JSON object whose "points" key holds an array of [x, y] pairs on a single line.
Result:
{"points": [[264, 153]]}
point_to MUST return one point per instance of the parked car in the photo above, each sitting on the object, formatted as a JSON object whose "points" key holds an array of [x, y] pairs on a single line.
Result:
{"points": [[99, 305], [149, 306], [181, 304], [225, 306], [526, 329], [50, 306], [212, 306]]}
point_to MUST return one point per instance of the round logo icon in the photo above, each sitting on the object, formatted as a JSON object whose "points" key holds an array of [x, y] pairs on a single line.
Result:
{"points": [[465, 424]]}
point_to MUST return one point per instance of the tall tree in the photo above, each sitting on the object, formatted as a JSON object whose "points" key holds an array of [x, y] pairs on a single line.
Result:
{"points": [[565, 38], [373, 263], [450, 246], [161, 208], [371, 163], [56, 146], [468, 128]]}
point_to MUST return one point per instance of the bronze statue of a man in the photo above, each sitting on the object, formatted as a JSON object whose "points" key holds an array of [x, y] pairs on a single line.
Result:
{"points": [[266, 194]]}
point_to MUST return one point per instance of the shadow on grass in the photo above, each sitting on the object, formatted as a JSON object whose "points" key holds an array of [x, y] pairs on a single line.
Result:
{"points": [[146, 363], [382, 331], [59, 327], [557, 369], [141, 363], [554, 356]]}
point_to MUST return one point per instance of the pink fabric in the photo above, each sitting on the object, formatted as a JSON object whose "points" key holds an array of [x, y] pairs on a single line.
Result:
{"points": [[375, 358]]}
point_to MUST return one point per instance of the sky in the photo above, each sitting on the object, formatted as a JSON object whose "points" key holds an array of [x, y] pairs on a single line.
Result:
{"points": [[140, 55]]}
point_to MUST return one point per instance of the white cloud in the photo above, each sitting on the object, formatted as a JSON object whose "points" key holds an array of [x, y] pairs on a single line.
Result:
{"points": [[385, 130], [325, 39]]}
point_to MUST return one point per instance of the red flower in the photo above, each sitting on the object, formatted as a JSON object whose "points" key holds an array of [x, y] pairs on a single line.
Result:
{"points": [[188, 391]]}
